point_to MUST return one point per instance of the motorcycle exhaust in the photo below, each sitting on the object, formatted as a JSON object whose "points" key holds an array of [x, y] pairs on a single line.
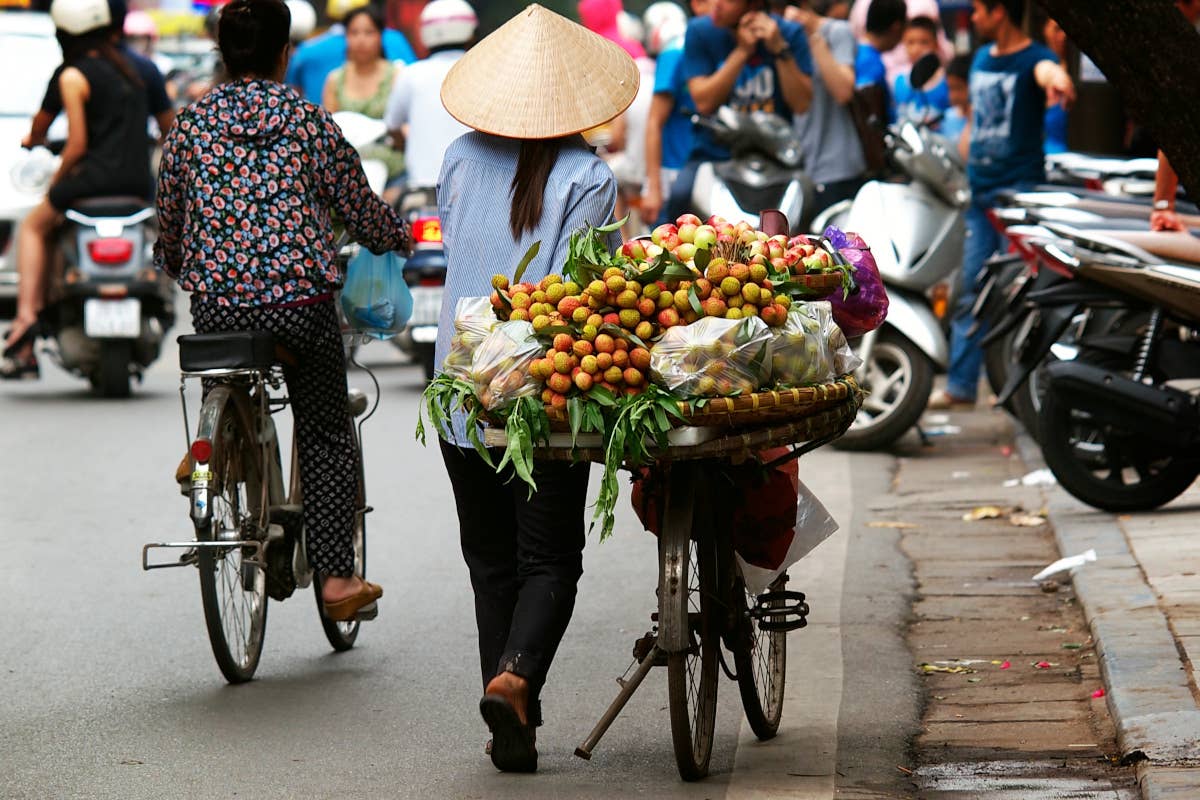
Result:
{"points": [[1162, 414]]}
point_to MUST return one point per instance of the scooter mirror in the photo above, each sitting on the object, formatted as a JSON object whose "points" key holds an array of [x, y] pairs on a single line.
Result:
{"points": [[925, 68]]}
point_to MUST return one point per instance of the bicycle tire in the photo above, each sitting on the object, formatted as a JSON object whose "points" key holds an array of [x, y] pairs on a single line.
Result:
{"points": [[232, 591], [760, 658], [691, 674], [343, 635]]}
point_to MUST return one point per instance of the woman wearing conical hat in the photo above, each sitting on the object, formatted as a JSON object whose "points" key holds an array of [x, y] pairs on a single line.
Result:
{"points": [[523, 175]]}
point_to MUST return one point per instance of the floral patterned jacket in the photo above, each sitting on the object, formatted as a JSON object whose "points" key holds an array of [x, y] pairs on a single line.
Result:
{"points": [[249, 179]]}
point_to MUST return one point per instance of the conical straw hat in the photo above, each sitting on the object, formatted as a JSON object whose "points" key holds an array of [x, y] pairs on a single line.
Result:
{"points": [[540, 76]]}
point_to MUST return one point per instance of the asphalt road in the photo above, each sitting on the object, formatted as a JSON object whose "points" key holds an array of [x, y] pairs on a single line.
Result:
{"points": [[108, 688]]}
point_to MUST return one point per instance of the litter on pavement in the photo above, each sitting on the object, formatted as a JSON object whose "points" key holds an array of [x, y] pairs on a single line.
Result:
{"points": [[1039, 477], [1064, 564]]}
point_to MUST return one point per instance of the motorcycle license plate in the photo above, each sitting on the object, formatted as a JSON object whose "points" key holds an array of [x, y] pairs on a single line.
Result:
{"points": [[427, 305], [424, 334], [112, 319]]}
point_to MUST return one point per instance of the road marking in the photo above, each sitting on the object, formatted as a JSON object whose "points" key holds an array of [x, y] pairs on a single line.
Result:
{"points": [[801, 762]]}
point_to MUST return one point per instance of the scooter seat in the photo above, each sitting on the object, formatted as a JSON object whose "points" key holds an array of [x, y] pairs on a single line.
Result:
{"points": [[111, 206], [1174, 246], [200, 352]]}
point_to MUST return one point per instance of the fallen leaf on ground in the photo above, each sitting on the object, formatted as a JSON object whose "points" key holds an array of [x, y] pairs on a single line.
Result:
{"points": [[905, 770], [1027, 520], [984, 512], [974, 680], [900, 526], [1072, 646], [956, 669]]}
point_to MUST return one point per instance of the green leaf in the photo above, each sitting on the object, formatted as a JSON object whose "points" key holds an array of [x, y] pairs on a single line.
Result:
{"points": [[613, 227], [575, 415], [602, 397], [694, 300], [530, 254], [702, 259]]}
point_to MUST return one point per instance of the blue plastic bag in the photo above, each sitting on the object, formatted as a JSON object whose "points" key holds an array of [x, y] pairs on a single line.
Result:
{"points": [[375, 298]]}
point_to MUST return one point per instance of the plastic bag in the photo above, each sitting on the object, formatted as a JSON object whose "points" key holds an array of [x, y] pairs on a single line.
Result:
{"points": [[474, 319], [375, 299], [866, 307], [500, 365], [713, 357], [765, 548], [810, 348]]}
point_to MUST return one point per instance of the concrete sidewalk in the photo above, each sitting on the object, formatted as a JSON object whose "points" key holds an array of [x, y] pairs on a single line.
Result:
{"points": [[1141, 599]]}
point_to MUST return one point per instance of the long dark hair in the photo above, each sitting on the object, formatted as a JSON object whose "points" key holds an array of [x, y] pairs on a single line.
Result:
{"points": [[534, 164], [98, 41], [371, 13], [252, 35]]}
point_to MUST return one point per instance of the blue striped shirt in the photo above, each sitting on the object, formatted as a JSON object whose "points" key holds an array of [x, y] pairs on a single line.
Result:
{"points": [[474, 201]]}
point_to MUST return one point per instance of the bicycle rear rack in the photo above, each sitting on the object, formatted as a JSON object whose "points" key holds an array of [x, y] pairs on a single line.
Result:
{"points": [[257, 546]]}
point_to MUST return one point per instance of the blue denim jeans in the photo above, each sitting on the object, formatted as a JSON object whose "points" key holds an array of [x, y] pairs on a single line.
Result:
{"points": [[966, 356]]}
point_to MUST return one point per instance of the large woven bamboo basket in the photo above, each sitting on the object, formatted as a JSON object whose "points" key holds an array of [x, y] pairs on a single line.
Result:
{"points": [[759, 408]]}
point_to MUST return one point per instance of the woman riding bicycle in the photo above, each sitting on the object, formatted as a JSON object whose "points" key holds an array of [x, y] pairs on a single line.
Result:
{"points": [[528, 90], [106, 153], [250, 180]]}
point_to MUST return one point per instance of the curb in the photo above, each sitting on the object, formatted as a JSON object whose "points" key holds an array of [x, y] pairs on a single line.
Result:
{"points": [[1146, 685]]}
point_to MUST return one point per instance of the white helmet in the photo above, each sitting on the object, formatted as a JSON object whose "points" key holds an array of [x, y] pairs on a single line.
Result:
{"points": [[664, 22], [78, 17], [304, 19], [445, 22], [629, 26]]}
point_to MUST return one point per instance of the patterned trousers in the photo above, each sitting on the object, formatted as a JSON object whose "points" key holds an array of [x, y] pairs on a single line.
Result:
{"points": [[317, 388]]}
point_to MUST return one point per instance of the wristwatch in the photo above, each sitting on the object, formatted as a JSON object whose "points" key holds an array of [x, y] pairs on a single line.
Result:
{"points": [[784, 52], [1162, 205]]}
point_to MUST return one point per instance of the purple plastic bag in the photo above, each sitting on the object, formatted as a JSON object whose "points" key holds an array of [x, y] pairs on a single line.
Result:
{"points": [[865, 308]]}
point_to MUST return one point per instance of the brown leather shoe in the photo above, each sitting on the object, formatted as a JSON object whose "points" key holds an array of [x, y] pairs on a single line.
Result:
{"points": [[360, 605]]}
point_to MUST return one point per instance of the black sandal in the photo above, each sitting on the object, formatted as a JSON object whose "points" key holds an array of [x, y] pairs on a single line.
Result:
{"points": [[27, 338], [18, 368], [513, 748]]}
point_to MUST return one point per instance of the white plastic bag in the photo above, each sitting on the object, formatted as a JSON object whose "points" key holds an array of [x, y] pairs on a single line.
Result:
{"points": [[713, 357], [500, 365], [474, 319], [814, 525], [810, 348]]}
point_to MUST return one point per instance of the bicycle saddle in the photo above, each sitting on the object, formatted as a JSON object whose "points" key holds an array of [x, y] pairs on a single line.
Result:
{"points": [[199, 352]]}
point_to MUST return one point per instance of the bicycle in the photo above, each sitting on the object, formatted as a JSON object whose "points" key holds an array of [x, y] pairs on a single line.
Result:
{"points": [[249, 541]]}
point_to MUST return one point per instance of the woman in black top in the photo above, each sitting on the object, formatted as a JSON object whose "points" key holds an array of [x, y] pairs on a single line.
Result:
{"points": [[106, 154]]}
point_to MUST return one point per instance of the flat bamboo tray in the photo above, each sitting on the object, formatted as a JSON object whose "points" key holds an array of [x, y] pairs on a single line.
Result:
{"points": [[699, 442]]}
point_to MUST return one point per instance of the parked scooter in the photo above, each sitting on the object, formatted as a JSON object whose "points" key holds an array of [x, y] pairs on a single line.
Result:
{"points": [[764, 172], [1120, 418], [916, 232], [425, 274]]}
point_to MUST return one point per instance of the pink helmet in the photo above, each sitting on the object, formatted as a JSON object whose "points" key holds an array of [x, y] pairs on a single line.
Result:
{"points": [[139, 23]]}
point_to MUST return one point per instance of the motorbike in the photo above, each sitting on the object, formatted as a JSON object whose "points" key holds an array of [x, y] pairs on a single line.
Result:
{"points": [[1119, 422], [107, 309], [916, 232], [764, 171]]}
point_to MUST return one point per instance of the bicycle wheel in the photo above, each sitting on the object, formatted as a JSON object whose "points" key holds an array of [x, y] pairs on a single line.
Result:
{"points": [[233, 591], [686, 597], [760, 658]]}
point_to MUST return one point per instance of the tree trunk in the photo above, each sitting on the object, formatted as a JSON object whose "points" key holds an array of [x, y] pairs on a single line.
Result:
{"points": [[1151, 54]]}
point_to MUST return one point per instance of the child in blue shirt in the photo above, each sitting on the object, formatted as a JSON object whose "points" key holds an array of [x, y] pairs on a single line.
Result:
{"points": [[933, 99], [885, 27]]}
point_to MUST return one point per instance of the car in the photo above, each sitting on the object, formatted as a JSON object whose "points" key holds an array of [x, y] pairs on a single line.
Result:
{"points": [[29, 49]]}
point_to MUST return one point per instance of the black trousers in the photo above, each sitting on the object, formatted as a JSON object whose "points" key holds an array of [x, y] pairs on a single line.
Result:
{"points": [[525, 556], [317, 388]]}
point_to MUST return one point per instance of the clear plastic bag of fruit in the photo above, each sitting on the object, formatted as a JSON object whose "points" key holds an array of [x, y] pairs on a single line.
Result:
{"points": [[810, 348], [474, 319], [713, 357], [500, 365]]}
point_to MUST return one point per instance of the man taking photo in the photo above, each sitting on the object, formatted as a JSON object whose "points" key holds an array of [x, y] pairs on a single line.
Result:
{"points": [[743, 57]]}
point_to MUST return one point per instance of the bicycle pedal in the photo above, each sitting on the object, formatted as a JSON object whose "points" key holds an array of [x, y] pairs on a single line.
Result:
{"points": [[367, 613], [780, 611]]}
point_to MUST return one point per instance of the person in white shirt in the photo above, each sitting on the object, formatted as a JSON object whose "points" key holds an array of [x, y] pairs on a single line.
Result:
{"points": [[415, 115]]}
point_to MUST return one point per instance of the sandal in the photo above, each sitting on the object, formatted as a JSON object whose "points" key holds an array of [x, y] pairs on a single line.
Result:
{"points": [[27, 338], [19, 368], [358, 606], [513, 747]]}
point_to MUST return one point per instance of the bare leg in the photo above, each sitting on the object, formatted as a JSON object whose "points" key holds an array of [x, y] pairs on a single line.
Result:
{"points": [[32, 266]]}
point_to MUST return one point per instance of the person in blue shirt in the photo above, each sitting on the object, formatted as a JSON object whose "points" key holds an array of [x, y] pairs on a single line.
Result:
{"points": [[954, 121], [315, 59], [929, 102], [743, 57], [669, 123], [885, 28], [1011, 81]]}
